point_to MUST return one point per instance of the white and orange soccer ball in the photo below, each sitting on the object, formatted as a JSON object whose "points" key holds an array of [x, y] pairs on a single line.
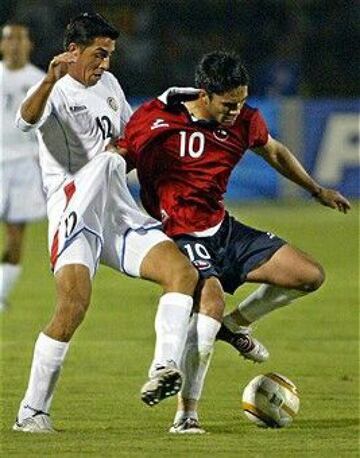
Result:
{"points": [[271, 400]]}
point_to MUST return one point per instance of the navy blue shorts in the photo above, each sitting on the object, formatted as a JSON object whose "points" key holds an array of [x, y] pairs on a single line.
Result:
{"points": [[230, 254]]}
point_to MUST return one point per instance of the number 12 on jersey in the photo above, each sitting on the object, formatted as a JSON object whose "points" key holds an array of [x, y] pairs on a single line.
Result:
{"points": [[104, 125], [191, 143]]}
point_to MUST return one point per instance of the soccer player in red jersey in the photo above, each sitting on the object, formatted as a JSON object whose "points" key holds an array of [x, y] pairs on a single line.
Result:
{"points": [[184, 154]]}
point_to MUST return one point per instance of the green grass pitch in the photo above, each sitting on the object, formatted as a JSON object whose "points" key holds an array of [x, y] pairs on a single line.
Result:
{"points": [[97, 407]]}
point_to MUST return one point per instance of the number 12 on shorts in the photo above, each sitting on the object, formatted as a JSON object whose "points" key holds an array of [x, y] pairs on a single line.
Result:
{"points": [[70, 224]]}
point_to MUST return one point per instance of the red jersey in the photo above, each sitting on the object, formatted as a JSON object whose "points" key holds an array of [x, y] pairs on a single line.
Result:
{"points": [[184, 165]]}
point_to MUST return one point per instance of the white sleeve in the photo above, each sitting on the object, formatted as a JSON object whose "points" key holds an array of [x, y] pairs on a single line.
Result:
{"points": [[26, 126], [125, 110]]}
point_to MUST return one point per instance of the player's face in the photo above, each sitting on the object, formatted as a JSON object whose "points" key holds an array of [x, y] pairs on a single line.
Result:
{"points": [[92, 61], [15, 45], [225, 108]]}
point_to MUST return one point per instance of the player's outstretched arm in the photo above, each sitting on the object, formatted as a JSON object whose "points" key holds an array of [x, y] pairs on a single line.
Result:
{"points": [[281, 159], [33, 107]]}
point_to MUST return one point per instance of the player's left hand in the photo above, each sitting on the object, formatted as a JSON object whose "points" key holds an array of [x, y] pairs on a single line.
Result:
{"points": [[116, 149], [333, 199]]}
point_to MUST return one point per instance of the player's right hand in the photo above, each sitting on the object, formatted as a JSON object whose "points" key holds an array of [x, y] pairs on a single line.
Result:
{"points": [[59, 66], [333, 199]]}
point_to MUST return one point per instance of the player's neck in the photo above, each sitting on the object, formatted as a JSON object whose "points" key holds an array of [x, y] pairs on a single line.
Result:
{"points": [[196, 110], [14, 65], [76, 76]]}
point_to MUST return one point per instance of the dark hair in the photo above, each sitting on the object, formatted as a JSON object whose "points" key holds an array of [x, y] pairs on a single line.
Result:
{"points": [[83, 29], [220, 72]]}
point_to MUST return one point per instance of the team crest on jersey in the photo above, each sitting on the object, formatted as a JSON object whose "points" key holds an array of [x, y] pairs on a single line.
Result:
{"points": [[201, 264], [221, 134], [112, 103]]}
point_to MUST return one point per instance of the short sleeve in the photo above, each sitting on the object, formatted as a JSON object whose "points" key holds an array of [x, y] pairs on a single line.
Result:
{"points": [[258, 132], [125, 110]]}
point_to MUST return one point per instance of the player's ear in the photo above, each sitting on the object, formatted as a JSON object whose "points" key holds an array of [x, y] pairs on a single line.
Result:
{"points": [[203, 96], [74, 49]]}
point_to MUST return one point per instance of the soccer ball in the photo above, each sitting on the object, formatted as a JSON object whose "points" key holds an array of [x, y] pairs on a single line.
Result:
{"points": [[270, 400]]}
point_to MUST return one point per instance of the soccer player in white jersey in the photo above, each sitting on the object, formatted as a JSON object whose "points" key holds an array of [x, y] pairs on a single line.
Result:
{"points": [[19, 168], [76, 110]]}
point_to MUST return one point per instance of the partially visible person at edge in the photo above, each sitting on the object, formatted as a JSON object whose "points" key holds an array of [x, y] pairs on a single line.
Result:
{"points": [[184, 155], [20, 171]]}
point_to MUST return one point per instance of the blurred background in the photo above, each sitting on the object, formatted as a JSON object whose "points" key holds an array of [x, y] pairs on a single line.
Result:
{"points": [[301, 55]]}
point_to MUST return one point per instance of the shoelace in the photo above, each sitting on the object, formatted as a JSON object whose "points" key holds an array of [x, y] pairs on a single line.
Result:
{"points": [[191, 422], [187, 423]]}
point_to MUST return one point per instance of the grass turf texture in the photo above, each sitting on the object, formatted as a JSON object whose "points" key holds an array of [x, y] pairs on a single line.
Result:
{"points": [[97, 405]]}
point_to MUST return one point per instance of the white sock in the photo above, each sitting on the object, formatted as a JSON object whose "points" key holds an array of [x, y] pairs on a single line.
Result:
{"points": [[263, 301], [197, 354], [9, 273], [171, 326], [49, 355]]}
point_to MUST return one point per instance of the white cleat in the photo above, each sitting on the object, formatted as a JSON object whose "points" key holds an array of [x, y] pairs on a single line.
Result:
{"points": [[187, 426], [38, 423], [164, 382], [243, 341], [249, 347]]}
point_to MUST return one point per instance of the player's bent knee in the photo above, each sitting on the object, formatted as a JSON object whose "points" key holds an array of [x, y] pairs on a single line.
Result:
{"points": [[171, 269], [184, 276], [315, 278], [319, 278], [183, 280]]}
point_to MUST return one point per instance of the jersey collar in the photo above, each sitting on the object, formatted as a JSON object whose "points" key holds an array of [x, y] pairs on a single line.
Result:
{"points": [[73, 82], [200, 122]]}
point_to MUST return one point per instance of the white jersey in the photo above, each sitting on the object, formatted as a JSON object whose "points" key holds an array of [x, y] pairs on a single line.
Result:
{"points": [[14, 84], [77, 124]]}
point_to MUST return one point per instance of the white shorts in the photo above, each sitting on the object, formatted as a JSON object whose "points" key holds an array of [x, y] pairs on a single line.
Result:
{"points": [[21, 195], [93, 218]]}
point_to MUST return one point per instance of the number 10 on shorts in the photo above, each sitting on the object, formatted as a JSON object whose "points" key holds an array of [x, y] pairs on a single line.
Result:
{"points": [[197, 250]]}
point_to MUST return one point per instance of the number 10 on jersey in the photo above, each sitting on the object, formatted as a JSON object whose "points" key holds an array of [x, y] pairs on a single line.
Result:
{"points": [[191, 143]]}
